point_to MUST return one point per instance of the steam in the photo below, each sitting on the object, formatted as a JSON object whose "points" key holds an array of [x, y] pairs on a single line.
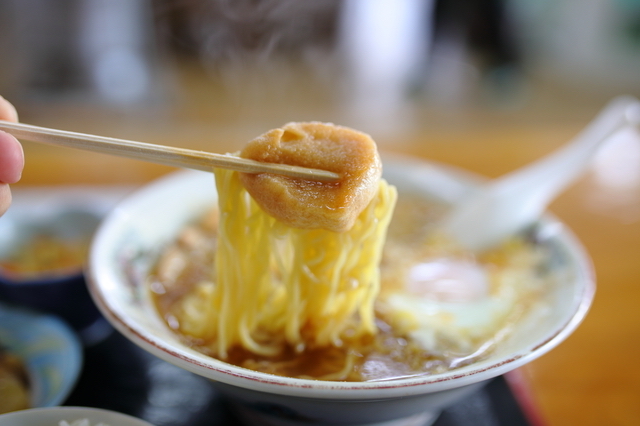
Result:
{"points": [[356, 58]]}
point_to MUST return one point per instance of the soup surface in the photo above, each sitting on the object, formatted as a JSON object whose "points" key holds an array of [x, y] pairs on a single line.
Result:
{"points": [[439, 308]]}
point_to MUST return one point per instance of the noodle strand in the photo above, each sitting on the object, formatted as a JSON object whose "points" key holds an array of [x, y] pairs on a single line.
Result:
{"points": [[272, 280]]}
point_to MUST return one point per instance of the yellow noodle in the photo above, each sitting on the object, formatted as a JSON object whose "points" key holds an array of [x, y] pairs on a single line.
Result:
{"points": [[275, 285], [349, 363]]}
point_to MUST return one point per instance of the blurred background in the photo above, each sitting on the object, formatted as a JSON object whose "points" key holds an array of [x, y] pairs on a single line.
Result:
{"points": [[187, 68], [485, 85]]}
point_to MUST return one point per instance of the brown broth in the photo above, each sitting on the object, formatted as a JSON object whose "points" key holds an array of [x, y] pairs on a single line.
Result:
{"points": [[383, 356], [45, 255]]}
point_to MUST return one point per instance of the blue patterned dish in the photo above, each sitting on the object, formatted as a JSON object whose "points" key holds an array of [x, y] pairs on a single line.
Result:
{"points": [[50, 350]]}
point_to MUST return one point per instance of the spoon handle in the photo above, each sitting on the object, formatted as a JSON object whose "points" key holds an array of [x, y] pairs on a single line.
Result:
{"points": [[508, 204]]}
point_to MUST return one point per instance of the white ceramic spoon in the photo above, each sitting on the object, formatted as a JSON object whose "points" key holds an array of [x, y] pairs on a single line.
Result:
{"points": [[508, 204]]}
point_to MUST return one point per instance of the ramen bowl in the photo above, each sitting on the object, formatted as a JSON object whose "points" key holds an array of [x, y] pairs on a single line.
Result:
{"points": [[128, 243]]}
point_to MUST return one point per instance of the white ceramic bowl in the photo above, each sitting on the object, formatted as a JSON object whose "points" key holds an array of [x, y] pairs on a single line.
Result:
{"points": [[74, 416], [129, 239]]}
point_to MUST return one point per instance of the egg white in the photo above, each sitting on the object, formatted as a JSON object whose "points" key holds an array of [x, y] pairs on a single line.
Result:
{"points": [[452, 306]]}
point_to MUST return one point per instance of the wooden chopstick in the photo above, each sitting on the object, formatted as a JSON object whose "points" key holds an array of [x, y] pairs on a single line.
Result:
{"points": [[170, 156]]}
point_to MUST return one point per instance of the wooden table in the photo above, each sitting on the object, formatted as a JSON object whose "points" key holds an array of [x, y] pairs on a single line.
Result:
{"points": [[593, 378]]}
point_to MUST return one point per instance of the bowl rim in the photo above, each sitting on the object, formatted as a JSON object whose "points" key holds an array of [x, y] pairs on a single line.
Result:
{"points": [[220, 371], [41, 413]]}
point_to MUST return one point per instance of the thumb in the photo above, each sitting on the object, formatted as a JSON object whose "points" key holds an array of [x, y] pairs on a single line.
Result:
{"points": [[11, 158]]}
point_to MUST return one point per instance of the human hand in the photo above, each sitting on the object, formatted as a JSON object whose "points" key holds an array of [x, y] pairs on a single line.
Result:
{"points": [[11, 156]]}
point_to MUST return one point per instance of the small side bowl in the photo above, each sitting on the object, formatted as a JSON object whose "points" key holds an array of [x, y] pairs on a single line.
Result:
{"points": [[49, 349], [53, 417], [57, 215], [126, 247]]}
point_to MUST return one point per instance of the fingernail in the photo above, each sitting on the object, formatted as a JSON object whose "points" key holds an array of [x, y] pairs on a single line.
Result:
{"points": [[9, 109]]}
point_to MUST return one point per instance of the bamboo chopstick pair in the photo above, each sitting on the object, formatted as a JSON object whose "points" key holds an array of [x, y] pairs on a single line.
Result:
{"points": [[170, 156]]}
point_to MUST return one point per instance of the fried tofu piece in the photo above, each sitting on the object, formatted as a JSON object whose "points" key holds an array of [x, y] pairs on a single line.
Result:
{"points": [[305, 204]]}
